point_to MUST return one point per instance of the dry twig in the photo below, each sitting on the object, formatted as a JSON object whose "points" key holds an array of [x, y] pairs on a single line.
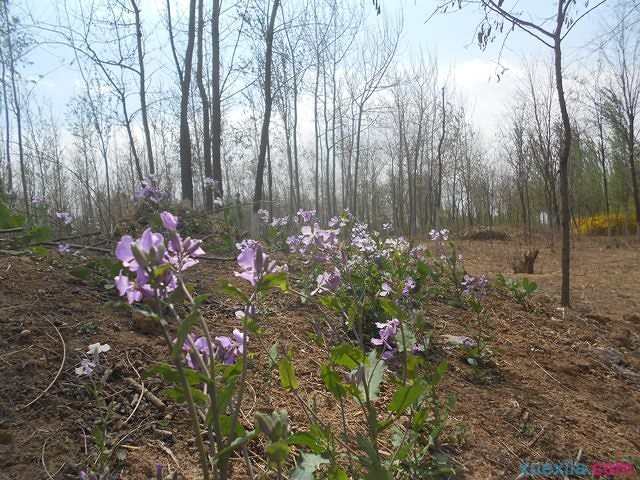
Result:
{"points": [[64, 358]]}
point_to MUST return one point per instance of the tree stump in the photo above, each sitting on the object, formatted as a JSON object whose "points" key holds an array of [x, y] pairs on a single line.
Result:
{"points": [[526, 263]]}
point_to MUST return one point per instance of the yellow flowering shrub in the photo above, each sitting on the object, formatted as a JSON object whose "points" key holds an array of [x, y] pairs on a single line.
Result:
{"points": [[599, 224]]}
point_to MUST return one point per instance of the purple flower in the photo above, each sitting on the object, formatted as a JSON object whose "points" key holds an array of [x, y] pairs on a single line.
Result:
{"points": [[328, 281], [254, 262], [417, 252], [169, 221], [199, 344], [387, 333], [280, 222], [439, 235], [476, 286], [305, 216], [183, 254], [263, 215], [409, 284], [385, 290], [387, 227], [149, 191], [86, 368], [143, 255], [230, 348], [64, 248], [64, 217]]}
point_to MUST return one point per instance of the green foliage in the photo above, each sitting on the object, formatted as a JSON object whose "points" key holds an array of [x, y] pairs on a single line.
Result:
{"points": [[520, 289], [288, 377], [8, 219]]}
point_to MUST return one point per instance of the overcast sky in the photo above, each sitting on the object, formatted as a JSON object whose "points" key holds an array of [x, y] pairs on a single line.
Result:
{"points": [[449, 37]]}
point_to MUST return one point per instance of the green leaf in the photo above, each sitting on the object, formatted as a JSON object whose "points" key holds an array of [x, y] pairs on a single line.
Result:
{"points": [[336, 473], [39, 251], [287, 374], [200, 299], [234, 291], [373, 371], [183, 330], [309, 463], [178, 395], [405, 338], [390, 308], [406, 396], [348, 356], [306, 439], [277, 452], [38, 233], [274, 280], [273, 355], [9, 219], [332, 382]]}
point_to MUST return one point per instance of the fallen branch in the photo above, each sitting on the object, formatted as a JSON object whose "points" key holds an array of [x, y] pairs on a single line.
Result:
{"points": [[216, 259], [64, 358], [150, 396], [11, 230], [80, 247], [71, 237]]}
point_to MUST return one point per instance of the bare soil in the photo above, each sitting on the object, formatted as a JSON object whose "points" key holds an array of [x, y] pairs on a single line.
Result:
{"points": [[564, 384]]}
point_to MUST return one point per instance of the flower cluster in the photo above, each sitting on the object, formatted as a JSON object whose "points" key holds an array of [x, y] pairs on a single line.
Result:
{"points": [[385, 290], [439, 235], [263, 215], [254, 262], [387, 332], [64, 248], [409, 285], [387, 227], [88, 364], [37, 200], [328, 281], [399, 244], [280, 221], [339, 222], [361, 239], [154, 261], [305, 216], [64, 217], [149, 191], [314, 241], [476, 286], [225, 349]]}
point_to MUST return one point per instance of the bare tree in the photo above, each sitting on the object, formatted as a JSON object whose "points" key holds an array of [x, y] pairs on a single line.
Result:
{"points": [[496, 15], [623, 97], [268, 100]]}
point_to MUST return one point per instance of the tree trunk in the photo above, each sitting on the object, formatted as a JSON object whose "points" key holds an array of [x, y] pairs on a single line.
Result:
{"points": [[16, 104], [186, 174], [565, 150], [216, 109], [438, 198], [268, 100], [634, 175], [7, 129], [143, 94], [206, 133]]}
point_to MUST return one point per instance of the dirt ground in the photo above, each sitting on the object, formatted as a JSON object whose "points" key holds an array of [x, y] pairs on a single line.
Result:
{"points": [[565, 385]]}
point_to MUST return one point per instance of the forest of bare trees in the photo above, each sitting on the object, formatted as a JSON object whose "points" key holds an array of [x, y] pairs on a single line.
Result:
{"points": [[309, 104]]}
